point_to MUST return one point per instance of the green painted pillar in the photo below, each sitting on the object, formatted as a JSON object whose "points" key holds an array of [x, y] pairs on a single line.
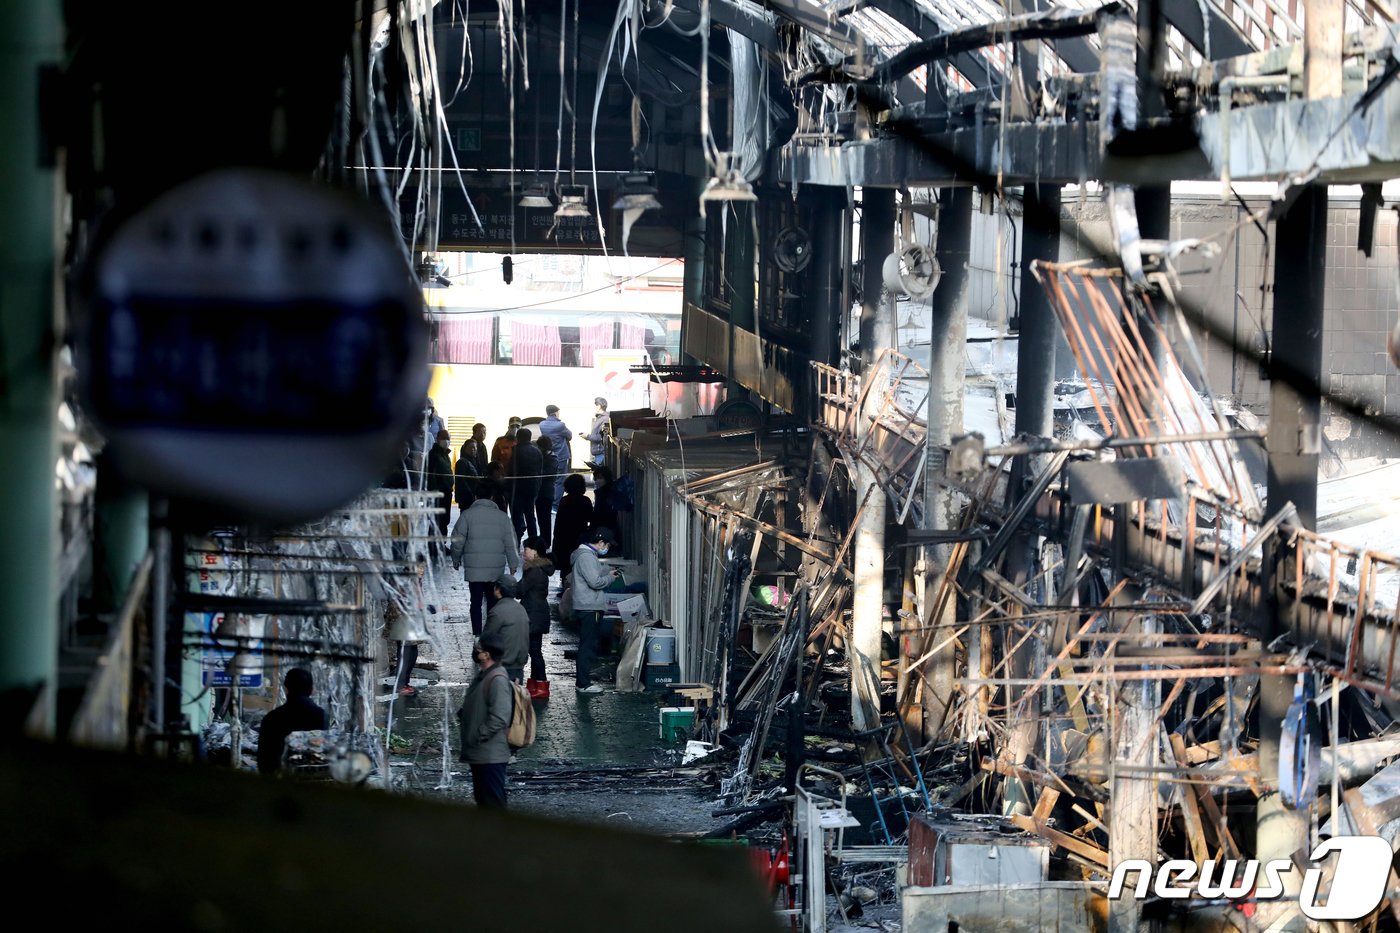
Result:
{"points": [[122, 528], [28, 396]]}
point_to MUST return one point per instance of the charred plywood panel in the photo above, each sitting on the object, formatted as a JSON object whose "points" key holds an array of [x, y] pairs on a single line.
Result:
{"points": [[1094, 483]]}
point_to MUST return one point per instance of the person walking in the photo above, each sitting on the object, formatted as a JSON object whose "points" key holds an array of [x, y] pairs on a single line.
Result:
{"points": [[534, 596], [441, 479], [298, 714], [525, 475], [590, 579], [598, 432], [483, 542], [485, 719], [574, 517], [544, 499], [508, 624], [559, 435]]}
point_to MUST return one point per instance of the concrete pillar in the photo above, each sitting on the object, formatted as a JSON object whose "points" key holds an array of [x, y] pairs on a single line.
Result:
{"points": [[876, 332], [1292, 444], [947, 364], [29, 532]]}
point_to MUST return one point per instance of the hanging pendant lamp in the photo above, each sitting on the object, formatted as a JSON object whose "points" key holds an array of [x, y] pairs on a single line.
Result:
{"points": [[637, 194]]}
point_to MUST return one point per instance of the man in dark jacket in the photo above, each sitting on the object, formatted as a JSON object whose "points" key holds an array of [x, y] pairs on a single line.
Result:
{"points": [[475, 448], [544, 499], [534, 596], [525, 474], [441, 478], [508, 624], [590, 579], [574, 517], [485, 718], [466, 480], [298, 714], [482, 543]]}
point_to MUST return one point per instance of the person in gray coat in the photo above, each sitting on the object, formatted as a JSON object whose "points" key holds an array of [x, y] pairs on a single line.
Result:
{"points": [[485, 718], [590, 578], [509, 624], [483, 542]]}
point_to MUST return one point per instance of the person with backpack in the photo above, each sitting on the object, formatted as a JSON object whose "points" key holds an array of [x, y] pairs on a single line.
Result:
{"points": [[485, 718], [508, 624]]}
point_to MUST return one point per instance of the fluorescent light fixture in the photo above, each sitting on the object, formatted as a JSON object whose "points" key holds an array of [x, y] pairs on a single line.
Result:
{"points": [[729, 187], [573, 202], [637, 194], [536, 196]]}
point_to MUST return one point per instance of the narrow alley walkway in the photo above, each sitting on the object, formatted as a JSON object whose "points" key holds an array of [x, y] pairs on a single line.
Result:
{"points": [[596, 758]]}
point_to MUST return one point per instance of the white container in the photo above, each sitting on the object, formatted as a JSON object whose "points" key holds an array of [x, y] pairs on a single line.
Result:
{"points": [[661, 646]]}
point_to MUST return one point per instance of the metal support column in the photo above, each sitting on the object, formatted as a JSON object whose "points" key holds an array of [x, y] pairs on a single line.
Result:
{"points": [[742, 277], [1035, 393], [1035, 358], [947, 378], [1293, 443], [828, 219], [876, 332], [29, 533]]}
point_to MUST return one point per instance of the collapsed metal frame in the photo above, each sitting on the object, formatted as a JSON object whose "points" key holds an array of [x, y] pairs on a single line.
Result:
{"points": [[335, 576], [1203, 583]]}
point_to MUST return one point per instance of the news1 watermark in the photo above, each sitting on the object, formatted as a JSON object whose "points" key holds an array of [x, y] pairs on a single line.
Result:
{"points": [[1357, 887]]}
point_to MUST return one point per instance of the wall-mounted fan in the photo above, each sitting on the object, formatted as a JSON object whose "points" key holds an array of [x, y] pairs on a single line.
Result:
{"points": [[792, 249], [912, 270]]}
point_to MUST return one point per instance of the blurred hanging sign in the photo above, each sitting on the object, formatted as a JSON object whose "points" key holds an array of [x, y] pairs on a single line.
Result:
{"points": [[257, 344]]}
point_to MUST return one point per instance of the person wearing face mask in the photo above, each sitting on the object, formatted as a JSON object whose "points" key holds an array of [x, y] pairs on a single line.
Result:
{"points": [[590, 580], [423, 440], [441, 479], [485, 720]]}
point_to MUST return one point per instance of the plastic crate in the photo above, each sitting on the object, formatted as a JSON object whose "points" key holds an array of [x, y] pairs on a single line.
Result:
{"points": [[676, 722]]}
